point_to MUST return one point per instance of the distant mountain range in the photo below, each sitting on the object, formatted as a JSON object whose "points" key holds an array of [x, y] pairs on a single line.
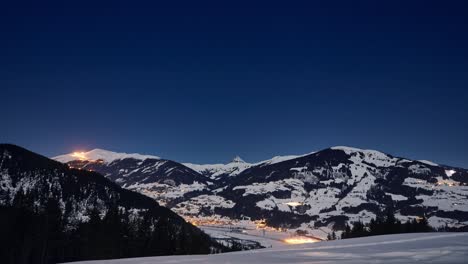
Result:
{"points": [[322, 189]]}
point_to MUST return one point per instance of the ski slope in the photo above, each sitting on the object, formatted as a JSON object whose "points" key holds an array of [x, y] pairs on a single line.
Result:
{"points": [[403, 248]]}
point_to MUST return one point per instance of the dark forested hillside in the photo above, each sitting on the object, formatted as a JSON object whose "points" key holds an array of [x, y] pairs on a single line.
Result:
{"points": [[384, 224], [50, 213]]}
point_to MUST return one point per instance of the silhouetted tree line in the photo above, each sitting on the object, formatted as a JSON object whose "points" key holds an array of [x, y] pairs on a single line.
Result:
{"points": [[331, 236], [384, 225], [28, 236]]}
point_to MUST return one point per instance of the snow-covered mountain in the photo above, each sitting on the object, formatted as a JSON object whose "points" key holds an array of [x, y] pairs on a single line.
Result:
{"points": [[215, 171], [322, 190], [233, 168], [164, 180], [340, 184]]}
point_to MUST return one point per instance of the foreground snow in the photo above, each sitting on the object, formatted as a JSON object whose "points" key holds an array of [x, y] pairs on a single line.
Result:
{"points": [[403, 248]]}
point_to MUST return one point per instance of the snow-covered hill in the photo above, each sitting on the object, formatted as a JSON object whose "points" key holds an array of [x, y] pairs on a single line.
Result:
{"points": [[443, 248], [320, 190]]}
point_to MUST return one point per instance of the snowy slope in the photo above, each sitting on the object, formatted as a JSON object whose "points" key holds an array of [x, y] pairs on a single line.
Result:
{"points": [[443, 248]]}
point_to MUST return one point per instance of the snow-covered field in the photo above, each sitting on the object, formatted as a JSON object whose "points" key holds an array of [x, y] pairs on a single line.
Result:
{"points": [[221, 228], [403, 248], [269, 239]]}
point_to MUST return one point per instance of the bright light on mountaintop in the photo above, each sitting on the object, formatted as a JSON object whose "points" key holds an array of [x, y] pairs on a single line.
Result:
{"points": [[101, 154], [81, 155]]}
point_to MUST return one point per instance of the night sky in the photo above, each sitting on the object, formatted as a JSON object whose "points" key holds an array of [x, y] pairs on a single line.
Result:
{"points": [[204, 81]]}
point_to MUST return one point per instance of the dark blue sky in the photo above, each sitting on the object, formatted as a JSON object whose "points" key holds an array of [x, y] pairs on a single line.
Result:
{"points": [[204, 81]]}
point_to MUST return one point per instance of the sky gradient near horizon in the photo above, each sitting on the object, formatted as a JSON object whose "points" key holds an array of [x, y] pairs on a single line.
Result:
{"points": [[203, 82]]}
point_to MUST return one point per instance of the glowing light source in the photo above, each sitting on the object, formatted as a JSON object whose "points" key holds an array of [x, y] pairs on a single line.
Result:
{"points": [[80, 155], [260, 224], [293, 204], [300, 240]]}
